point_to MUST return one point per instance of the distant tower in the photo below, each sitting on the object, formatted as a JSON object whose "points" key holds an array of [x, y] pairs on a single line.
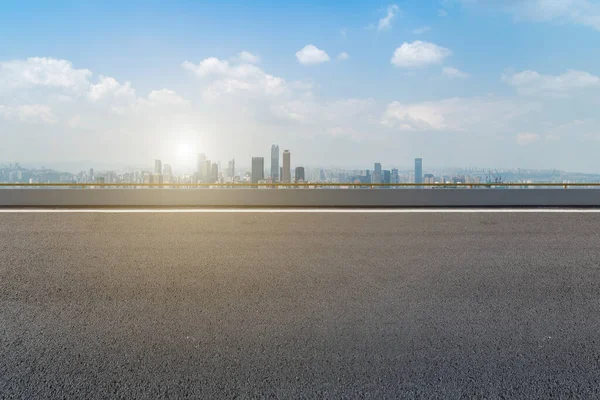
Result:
{"points": [[395, 178], [387, 176], [258, 169], [299, 175], [376, 177], [205, 171], [91, 177], [275, 162], [167, 171], [200, 160], [418, 170], [231, 169], [286, 178], [157, 167], [214, 173]]}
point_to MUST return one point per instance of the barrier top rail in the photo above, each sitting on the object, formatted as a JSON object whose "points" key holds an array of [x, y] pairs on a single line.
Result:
{"points": [[312, 185]]}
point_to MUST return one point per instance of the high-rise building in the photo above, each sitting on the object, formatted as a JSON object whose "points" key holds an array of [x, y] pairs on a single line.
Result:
{"points": [[299, 175], [376, 177], [205, 171], [157, 167], [91, 177], [231, 169], [200, 160], [275, 162], [167, 171], [395, 178], [287, 170], [214, 173], [258, 169], [418, 170], [387, 176]]}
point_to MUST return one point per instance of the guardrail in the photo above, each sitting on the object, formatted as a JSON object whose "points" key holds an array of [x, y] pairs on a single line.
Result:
{"points": [[297, 197], [302, 185]]}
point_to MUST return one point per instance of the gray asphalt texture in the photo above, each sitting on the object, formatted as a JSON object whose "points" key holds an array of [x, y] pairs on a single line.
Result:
{"points": [[283, 305]]}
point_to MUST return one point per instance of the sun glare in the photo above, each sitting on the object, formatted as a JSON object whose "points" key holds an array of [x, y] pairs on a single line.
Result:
{"points": [[181, 150], [184, 153]]}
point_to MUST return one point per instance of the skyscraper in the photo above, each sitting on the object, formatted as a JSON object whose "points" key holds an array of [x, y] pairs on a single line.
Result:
{"points": [[214, 173], [200, 161], [387, 176], [157, 167], [376, 177], [275, 162], [200, 167], [167, 171], [91, 177], [258, 169], [418, 170], [299, 175], [231, 169], [286, 178], [395, 178], [205, 171]]}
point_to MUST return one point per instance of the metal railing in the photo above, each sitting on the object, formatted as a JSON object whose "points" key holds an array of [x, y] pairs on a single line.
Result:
{"points": [[301, 185]]}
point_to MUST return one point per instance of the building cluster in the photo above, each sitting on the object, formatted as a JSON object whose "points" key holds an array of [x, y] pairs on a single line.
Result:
{"points": [[277, 173], [282, 171]]}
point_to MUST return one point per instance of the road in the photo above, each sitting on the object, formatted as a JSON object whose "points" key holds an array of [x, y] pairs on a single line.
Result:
{"points": [[311, 305]]}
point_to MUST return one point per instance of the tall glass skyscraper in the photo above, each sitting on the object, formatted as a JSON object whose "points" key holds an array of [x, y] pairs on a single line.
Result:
{"points": [[275, 162], [418, 170]]}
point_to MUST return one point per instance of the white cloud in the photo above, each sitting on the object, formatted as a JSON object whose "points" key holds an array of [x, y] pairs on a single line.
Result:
{"points": [[418, 53], [166, 97], [41, 71], [415, 117], [453, 73], [248, 57], [421, 30], [442, 13], [110, 87], [235, 78], [343, 56], [207, 67], [455, 114], [583, 12], [310, 55], [386, 22], [533, 83], [29, 113], [526, 138]]}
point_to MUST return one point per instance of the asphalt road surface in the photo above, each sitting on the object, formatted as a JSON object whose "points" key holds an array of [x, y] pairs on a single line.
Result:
{"points": [[312, 305]]}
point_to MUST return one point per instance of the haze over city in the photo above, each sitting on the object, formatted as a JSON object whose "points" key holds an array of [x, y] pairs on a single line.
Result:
{"points": [[511, 84]]}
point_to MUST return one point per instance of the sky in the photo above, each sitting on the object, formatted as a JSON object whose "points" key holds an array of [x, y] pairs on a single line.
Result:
{"points": [[460, 83]]}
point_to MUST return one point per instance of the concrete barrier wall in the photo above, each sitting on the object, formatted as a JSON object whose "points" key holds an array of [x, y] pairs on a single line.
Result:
{"points": [[298, 197]]}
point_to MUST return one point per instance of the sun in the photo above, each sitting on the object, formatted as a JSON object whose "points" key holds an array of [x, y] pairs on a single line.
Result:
{"points": [[184, 153]]}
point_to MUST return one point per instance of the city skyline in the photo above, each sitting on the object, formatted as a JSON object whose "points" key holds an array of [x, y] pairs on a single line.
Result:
{"points": [[342, 84], [210, 172]]}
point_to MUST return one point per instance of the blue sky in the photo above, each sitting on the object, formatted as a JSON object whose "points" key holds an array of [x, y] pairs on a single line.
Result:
{"points": [[458, 82]]}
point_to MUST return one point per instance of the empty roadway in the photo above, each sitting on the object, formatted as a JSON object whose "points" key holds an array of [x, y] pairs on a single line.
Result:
{"points": [[299, 305]]}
